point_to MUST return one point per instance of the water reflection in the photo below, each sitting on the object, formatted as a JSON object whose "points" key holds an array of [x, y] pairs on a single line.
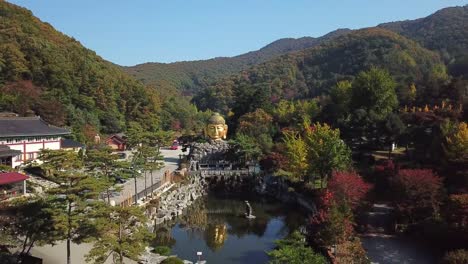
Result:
{"points": [[218, 227]]}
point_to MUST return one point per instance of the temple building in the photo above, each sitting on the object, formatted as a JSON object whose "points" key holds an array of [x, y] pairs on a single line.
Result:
{"points": [[117, 142], [25, 137], [7, 155]]}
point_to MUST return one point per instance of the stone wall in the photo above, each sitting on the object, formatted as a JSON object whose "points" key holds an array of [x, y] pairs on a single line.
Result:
{"points": [[173, 202]]}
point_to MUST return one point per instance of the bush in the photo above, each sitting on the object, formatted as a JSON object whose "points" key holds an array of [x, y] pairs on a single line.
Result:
{"points": [[162, 250], [172, 260], [294, 250], [459, 256]]}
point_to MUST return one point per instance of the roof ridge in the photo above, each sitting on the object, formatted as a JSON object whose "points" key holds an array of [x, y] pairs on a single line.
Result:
{"points": [[20, 118]]}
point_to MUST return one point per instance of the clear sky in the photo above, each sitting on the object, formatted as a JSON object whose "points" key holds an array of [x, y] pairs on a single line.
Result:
{"points": [[129, 32]]}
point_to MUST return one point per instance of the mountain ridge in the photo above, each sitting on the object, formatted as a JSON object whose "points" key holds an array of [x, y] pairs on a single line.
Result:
{"points": [[449, 24]]}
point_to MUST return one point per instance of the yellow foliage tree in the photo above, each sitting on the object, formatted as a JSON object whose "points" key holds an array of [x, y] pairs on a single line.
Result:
{"points": [[457, 143], [412, 92]]}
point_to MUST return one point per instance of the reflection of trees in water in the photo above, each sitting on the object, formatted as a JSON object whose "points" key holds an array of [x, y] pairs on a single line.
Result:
{"points": [[213, 218], [163, 237], [195, 217]]}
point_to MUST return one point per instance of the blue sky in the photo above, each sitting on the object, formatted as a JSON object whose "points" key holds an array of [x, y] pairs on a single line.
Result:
{"points": [[129, 32]]}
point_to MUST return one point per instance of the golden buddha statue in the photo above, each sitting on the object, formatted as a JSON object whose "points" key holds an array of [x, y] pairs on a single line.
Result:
{"points": [[216, 128]]}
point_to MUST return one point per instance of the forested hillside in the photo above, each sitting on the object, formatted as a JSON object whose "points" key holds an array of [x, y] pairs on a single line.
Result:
{"points": [[191, 76], [47, 73], [445, 31], [312, 72]]}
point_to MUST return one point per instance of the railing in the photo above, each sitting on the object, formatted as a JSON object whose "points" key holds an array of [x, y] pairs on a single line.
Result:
{"points": [[148, 191], [211, 173]]}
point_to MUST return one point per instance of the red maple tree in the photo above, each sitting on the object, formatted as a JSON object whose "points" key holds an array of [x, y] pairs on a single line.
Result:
{"points": [[348, 186], [417, 193]]}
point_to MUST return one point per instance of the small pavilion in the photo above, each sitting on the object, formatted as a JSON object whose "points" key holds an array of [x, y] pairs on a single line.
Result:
{"points": [[12, 184]]}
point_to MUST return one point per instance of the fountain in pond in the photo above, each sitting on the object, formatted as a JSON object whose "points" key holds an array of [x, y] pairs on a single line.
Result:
{"points": [[248, 214]]}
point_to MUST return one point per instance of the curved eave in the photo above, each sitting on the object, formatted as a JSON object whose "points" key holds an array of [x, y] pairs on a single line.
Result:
{"points": [[35, 135]]}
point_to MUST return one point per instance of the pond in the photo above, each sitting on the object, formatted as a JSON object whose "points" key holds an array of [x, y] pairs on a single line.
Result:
{"points": [[217, 227]]}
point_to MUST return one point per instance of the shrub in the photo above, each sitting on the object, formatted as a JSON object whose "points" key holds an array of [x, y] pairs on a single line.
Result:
{"points": [[349, 187], [172, 260], [459, 256], [162, 250], [417, 194], [294, 250]]}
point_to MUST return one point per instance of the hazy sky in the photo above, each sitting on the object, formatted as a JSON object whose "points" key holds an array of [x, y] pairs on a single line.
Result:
{"points": [[129, 32]]}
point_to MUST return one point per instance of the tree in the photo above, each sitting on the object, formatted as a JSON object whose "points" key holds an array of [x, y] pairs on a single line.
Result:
{"points": [[121, 232], [417, 194], [32, 223], [294, 250], [70, 202], [456, 146], [137, 139], [257, 125], [296, 155], [326, 152], [333, 223], [244, 148], [348, 187], [393, 128], [457, 211], [338, 109], [103, 164], [150, 160], [315, 153], [374, 91]]}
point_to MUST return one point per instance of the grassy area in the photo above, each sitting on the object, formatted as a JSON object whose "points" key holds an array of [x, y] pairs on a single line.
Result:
{"points": [[383, 154]]}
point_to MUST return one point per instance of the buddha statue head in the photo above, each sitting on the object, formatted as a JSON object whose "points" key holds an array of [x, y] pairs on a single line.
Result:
{"points": [[216, 128]]}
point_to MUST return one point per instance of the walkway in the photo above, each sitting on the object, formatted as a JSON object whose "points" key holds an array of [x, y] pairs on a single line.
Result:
{"points": [[383, 246], [57, 254], [171, 160]]}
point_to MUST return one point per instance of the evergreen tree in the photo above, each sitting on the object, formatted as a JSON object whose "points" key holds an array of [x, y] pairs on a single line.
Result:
{"points": [[73, 199], [122, 233], [103, 164]]}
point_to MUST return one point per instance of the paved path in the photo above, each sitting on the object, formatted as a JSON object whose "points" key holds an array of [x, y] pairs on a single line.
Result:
{"points": [[384, 247], [171, 159], [57, 254]]}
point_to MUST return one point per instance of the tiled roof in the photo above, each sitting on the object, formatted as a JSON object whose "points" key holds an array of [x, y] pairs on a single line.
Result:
{"points": [[69, 143], [11, 177], [116, 138], [28, 126], [5, 151]]}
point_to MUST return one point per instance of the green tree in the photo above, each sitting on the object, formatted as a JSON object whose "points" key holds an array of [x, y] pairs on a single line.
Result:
{"points": [[294, 250], [73, 199], [32, 223], [121, 232], [315, 153], [338, 108], [374, 91], [245, 149], [326, 152], [257, 125], [103, 164], [393, 129]]}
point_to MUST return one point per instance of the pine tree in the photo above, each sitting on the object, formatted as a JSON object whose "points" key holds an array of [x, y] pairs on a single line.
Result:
{"points": [[122, 233], [76, 196]]}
